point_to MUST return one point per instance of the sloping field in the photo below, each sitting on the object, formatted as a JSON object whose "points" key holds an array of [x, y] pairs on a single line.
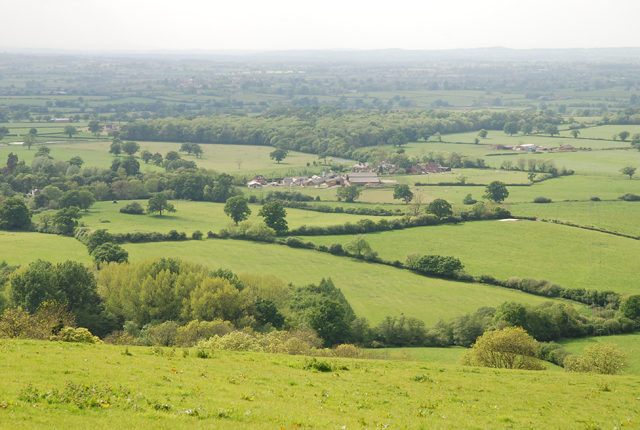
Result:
{"points": [[373, 290], [570, 256]]}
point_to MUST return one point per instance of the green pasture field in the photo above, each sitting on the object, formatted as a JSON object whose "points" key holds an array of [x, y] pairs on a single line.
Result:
{"points": [[618, 215], [449, 355], [627, 342], [606, 132], [271, 391], [570, 256], [23, 248], [191, 216], [575, 187], [373, 290], [222, 158], [474, 176]]}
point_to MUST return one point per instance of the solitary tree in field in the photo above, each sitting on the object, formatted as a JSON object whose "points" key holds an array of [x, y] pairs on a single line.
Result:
{"points": [[629, 170], [95, 127], [483, 133], [29, 139], [76, 161], [440, 208], [358, 245], [274, 216], [511, 128], [496, 191], [278, 155], [402, 192], [624, 135], [510, 348], [239, 162], [237, 209], [349, 194], [70, 130], [575, 133], [3, 132], [158, 203]]}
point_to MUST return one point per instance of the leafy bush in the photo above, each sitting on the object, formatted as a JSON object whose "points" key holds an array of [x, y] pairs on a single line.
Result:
{"points": [[133, 209], [541, 199], [336, 248], [630, 197], [79, 335], [192, 333], [196, 235], [602, 358], [468, 200], [434, 264]]}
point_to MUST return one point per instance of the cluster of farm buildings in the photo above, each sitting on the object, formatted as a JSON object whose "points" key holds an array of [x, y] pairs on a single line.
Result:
{"points": [[362, 175]]}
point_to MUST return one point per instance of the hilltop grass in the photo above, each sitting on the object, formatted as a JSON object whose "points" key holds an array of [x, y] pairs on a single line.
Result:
{"points": [[572, 257], [267, 391], [373, 290], [628, 342], [191, 216], [618, 216]]}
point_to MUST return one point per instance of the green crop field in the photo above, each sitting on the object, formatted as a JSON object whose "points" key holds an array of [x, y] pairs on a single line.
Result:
{"points": [[613, 215], [373, 290], [269, 391], [630, 343], [570, 256], [191, 216], [23, 248]]}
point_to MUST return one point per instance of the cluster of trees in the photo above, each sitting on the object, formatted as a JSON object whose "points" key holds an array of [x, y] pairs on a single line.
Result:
{"points": [[534, 165], [326, 130]]}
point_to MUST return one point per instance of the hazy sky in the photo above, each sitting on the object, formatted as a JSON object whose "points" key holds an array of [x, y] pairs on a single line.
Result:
{"points": [[327, 24]]}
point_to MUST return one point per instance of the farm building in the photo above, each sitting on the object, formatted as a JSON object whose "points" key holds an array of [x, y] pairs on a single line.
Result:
{"points": [[254, 184], [566, 148], [363, 178], [297, 181], [260, 179]]}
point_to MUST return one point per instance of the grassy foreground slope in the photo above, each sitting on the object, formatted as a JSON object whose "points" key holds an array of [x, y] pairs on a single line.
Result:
{"points": [[23, 248], [373, 290], [570, 256], [265, 391]]}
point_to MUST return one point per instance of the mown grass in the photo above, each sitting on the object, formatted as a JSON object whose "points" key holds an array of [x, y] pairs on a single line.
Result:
{"points": [[23, 248], [616, 216], [268, 391], [191, 216], [627, 342], [373, 290], [570, 256]]}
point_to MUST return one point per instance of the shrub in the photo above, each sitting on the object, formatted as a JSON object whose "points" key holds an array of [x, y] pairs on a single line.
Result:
{"points": [[630, 197], [192, 333], [595, 199], [234, 341], [196, 235], [173, 235], [79, 335], [602, 358], [434, 264], [211, 235], [511, 348], [336, 249], [468, 200], [541, 199], [132, 209]]}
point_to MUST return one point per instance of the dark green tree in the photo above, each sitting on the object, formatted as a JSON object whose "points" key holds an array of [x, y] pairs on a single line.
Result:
{"points": [[496, 191], [440, 208], [237, 209], [98, 238], [70, 131], [172, 156], [329, 320], [483, 133], [130, 147], [116, 147], [624, 135], [274, 216], [268, 313], [109, 252], [14, 214], [629, 171], [76, 161], [146, 156], [551, 129], [402, 192], [94, 127], [630, 308], [66, 220], [349, 194], [129, 164], [278, 155], [158, 203], [12, 162], [511, 128]]}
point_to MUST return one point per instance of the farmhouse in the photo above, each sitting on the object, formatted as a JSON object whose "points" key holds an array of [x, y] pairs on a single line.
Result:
{"points": [[363, 178], [260, 179], [297, 181], [361, 168], [254, 184], [110, 127]]}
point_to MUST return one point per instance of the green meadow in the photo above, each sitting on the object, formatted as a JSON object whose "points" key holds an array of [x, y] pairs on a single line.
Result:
{"points": [[618, 215], [191, 216], [164, 389], [570, 256]]}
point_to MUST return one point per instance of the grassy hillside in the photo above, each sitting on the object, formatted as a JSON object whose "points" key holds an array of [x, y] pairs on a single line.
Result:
{"points": [[265, 391], [373, 290], [23, 248], [570, 256]]}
